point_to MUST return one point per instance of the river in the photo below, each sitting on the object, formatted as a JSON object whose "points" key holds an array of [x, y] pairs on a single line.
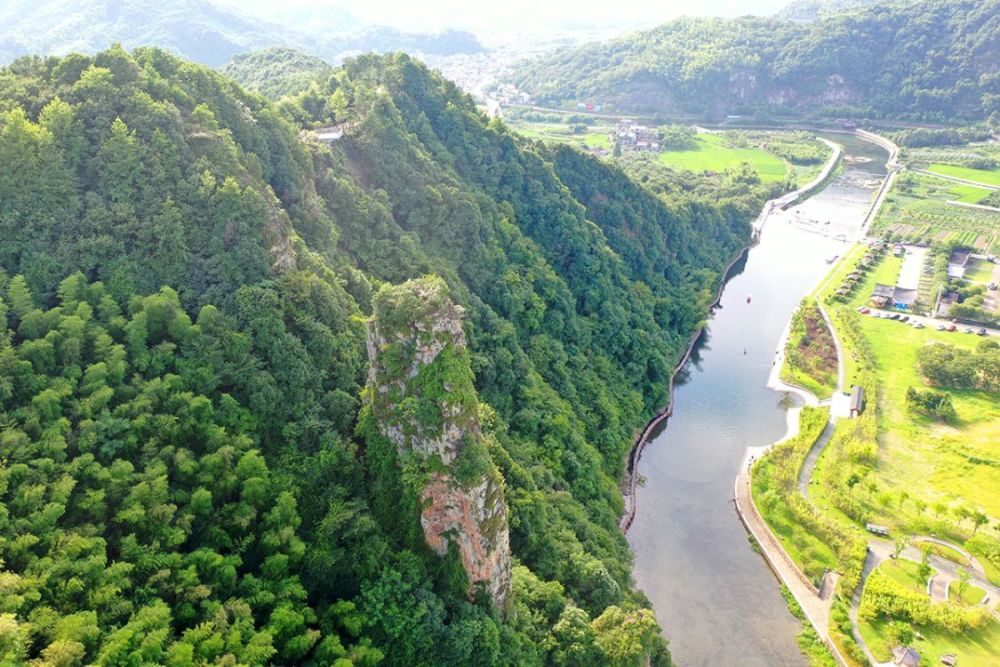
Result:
{"points": [[716, 599]]}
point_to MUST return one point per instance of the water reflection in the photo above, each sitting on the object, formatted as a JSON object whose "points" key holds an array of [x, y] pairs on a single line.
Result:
{"points": [[716, 599]]}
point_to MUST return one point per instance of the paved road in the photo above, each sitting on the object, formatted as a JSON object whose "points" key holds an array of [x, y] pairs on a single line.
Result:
{"points": [[815, 604]]}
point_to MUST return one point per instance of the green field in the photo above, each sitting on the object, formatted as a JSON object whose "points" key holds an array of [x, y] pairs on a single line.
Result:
{"points": [[912, 473], [969, 194], [928, 460], [714, 154], [974, 647], [991, 177], [593, 137]]}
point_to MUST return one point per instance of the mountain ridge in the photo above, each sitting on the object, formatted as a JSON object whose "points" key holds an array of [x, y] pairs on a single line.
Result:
{"points": [[200, 30], [930, 60]]}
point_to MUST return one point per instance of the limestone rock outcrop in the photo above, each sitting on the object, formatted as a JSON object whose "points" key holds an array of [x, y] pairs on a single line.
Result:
{"points": [[421, 393]]}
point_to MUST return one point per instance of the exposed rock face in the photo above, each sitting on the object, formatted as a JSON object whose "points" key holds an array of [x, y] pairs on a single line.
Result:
{"points": [[423, 400]]}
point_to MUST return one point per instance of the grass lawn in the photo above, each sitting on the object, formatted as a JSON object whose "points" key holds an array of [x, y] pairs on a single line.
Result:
{"points": [[971, 594], [974, 648], [713, 154], [904, 573], [926, 458], [886, 273], [943, 551], [991, 177], [992, 571], [922, 465], [980, 271]]}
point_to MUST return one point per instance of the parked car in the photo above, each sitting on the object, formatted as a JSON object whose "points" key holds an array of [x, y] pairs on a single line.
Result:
{"points": [[897, 316], [992, 286], [951, 327], [941, 327], [967, 329], [904, 318], [865, 311], [982, 332], [918, 325]]}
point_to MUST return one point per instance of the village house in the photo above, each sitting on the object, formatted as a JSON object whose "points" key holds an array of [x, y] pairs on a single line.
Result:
{"points": [[881, 295], [633, 137], [901, 298]]}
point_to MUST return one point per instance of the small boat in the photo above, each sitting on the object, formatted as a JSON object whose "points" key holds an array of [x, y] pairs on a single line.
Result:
{"points": [[748, 298]]}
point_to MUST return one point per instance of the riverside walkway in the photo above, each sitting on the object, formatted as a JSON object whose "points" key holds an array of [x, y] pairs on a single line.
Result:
{"points": [[815, 603]]}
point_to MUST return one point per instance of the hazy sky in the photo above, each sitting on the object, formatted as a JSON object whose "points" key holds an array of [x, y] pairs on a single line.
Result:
{"points": [[523, 14]]}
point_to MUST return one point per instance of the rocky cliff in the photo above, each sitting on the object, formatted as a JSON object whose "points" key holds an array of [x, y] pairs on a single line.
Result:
{"points": [[420, 388]]}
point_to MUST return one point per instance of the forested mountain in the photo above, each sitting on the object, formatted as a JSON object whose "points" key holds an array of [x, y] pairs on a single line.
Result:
{"points": [[197, 29], [810, 10], [277, 71], [935, 60], [192, 472], [200, 30]]}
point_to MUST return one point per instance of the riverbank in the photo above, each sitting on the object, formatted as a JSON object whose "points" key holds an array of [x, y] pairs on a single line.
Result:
{"points": [[690, 555], [630, 479], [816, 604]]}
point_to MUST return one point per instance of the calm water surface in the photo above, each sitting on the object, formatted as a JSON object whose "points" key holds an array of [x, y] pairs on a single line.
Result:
{"points": [[715, 598]]}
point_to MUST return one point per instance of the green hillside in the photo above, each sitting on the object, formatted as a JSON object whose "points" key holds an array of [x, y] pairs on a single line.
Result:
{"points": [[277, 71], [184, 285], [931, 60]]}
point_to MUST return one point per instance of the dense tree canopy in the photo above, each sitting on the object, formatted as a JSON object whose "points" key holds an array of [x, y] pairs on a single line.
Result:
{"points": [[933, 59], [276, 71], [185, 479]]}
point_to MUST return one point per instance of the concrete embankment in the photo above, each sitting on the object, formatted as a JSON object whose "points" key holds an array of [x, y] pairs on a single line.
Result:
{"points": [[815, 604], [630, 479]]}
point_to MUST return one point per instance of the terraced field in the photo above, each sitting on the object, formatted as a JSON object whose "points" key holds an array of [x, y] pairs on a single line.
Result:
{"points": [[918, 209]]}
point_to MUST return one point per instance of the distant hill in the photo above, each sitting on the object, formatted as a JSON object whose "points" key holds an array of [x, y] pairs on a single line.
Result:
{"points": [[200, 30], [383, 39], [810, 10], [932, 60], [197, 29], [276, 71]]}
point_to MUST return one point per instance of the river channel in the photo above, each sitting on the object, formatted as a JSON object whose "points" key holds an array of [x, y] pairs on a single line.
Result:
{"points": [[716, 599]]}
